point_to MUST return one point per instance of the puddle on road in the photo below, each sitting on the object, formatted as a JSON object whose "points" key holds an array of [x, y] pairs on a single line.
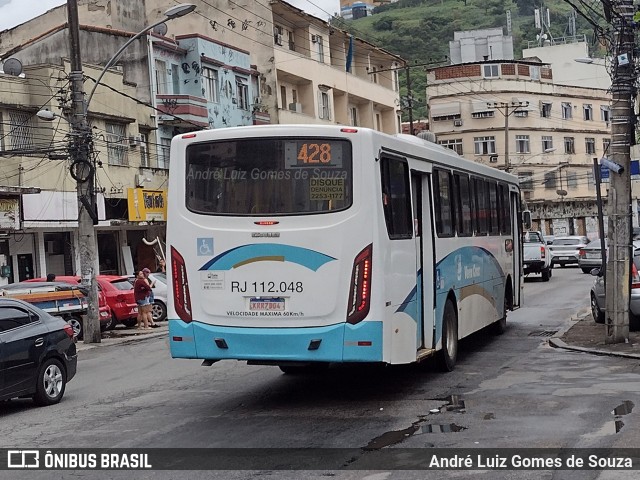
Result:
{"points": [[454, 403], [623, 409]]}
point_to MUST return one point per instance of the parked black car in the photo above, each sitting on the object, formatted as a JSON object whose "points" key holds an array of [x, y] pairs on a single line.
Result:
{"points": [[37, 353]]}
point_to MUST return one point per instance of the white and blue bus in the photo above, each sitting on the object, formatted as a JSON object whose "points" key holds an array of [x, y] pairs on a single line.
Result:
{"points": [[305, 245]]}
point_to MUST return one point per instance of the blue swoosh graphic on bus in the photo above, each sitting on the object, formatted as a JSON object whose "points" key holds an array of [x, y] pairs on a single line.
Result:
{"points": [[262, 252]]}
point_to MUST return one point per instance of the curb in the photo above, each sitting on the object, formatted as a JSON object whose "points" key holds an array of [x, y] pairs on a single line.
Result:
{"points": [[557, 343], [110, 342]]}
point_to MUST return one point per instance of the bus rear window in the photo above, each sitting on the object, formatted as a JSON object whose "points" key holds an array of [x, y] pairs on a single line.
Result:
{"points": [[269, 176]]}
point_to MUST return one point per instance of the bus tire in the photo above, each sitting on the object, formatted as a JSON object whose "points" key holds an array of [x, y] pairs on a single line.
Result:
{"points": [[447, 356], [500, 325]]}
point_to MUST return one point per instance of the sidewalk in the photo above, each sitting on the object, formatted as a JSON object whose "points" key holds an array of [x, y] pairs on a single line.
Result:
{"points": [[582, 334], [122, 335]]}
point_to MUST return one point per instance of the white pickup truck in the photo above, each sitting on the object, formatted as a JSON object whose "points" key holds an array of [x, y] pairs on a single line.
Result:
{"points": [[537, 257]]}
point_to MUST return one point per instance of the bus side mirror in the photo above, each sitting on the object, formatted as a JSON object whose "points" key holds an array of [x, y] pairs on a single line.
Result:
{"points": [[526, 219]]}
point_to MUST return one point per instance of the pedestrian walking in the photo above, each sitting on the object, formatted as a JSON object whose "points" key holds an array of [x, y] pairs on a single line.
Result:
{"points": [[51, 277]]}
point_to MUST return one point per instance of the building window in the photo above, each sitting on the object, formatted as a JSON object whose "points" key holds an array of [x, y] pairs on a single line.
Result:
{"points": [[353, 116], [567, 113], [550, 180], [569, 145], [292, 40], [547, 143], [590, 145], [144, 150], [605, 113], [175, 79], [277, 34], [484, 145], [242, 92], [211, 85], [453, 144], [320, 47], [487, 114], [545, 110], [572, 180], [324, 106], [491, 71], [20, 129], [161, 77], [526, 180], [534, 72], [374, 74], [116, 145], [605, 145], [165, 148], [522, 144], [587, 110]]}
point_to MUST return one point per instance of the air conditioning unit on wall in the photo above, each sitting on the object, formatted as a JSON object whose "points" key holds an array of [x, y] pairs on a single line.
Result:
{"points": [[295, 107], [457, 122]]}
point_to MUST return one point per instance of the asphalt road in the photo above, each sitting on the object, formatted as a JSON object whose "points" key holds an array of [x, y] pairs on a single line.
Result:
{"points": [[512, 390]]}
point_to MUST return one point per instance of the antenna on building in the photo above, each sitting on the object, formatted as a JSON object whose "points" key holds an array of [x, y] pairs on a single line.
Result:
{"points": [[572, 23], [508, 22]]}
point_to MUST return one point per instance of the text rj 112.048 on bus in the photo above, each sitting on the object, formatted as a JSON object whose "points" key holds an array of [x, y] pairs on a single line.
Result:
{"points": [[302, 245]]}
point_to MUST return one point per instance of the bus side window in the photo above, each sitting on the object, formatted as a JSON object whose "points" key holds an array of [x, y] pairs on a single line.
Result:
{"points": [[494, 214], [396, 199], [505, 209], [463, 205], [481, 203], [443, 203]]}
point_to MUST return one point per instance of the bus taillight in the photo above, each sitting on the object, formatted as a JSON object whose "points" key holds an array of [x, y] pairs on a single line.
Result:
{"points": [[180, 285], [360, 291]]}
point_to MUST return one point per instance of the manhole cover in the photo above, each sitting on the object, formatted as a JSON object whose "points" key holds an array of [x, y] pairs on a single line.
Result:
{"points": [[543, 333]]}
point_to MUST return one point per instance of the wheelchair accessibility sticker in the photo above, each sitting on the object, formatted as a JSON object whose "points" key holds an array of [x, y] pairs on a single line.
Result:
{"points": [[205, 247]]}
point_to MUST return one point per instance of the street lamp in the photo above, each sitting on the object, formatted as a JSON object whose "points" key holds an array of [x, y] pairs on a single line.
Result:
{"points": [[82, 169]]}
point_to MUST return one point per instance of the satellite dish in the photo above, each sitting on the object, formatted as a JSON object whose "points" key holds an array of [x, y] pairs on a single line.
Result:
{"points": [[12, 66], [160, 29]]}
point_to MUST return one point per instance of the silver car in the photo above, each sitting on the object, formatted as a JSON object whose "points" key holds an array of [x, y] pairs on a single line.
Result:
{"points": [[598, 300], [565, 250], [590, 256], [159, 307]]}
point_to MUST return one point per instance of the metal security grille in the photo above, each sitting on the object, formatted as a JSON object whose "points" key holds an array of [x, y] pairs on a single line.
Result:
{"points": [[20, 130], [116, 147]]}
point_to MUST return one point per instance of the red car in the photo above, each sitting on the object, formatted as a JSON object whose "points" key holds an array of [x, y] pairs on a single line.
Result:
{"points": [[118, 297]]}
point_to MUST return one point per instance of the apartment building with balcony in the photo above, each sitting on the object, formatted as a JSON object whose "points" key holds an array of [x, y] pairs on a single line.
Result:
{"points": [[510, 114], [36, 158]]}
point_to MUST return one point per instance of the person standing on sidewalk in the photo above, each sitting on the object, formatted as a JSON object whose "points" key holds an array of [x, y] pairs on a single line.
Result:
{"points": [[142, 292], [152, 284]]}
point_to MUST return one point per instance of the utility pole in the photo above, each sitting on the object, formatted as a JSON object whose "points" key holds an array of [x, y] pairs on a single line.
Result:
{"points": [[83, 171], [409, 100], [506, 106], [618, 285]]}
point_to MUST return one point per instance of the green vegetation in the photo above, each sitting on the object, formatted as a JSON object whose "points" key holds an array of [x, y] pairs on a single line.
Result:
{"points": [[420, 30]]}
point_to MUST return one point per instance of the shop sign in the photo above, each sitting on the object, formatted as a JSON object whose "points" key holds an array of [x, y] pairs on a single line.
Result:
{"points": [[9, 213], [147, 205]]}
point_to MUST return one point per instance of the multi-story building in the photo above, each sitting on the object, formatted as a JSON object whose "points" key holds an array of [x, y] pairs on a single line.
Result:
{"points": [[247, 64], [512, 115], [36, 153]]}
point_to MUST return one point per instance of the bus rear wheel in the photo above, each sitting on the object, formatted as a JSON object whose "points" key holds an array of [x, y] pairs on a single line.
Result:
{"points": [[447, 356]]}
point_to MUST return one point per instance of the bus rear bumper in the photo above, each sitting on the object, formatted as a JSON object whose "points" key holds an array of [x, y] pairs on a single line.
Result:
{"points": [[333, 343]]}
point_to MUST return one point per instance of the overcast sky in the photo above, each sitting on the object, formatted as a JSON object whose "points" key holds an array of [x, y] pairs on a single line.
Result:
{"points": [[15, 12]]}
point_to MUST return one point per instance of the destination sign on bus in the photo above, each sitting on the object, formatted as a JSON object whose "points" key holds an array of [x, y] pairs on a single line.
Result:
{"points": [[313, 153]]}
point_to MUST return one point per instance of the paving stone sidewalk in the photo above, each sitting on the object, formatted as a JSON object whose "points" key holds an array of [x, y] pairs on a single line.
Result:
{"points": [[585, 335]]}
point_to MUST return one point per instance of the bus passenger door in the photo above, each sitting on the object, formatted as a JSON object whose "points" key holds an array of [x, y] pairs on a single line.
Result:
{"points": [[516, 229], [421, 200]]}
